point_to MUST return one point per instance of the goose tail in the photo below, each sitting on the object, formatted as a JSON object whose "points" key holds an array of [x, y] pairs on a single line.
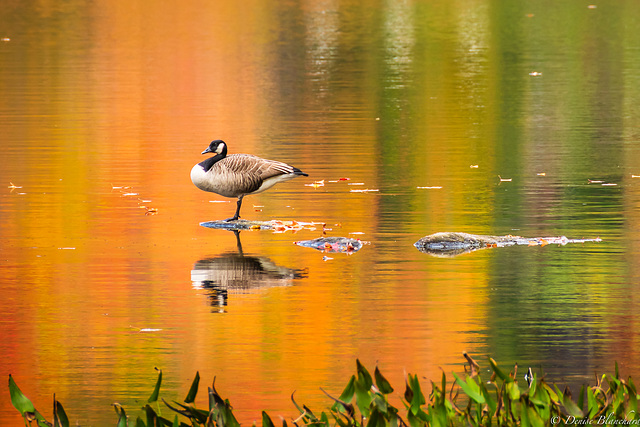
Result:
{"points": [[297, 171]]}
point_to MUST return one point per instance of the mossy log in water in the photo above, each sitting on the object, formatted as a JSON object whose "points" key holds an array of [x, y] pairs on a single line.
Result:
{"points": [[452, 244]]}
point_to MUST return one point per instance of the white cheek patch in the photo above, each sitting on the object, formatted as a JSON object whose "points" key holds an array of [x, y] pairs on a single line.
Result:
{"points": [[220, 148]]}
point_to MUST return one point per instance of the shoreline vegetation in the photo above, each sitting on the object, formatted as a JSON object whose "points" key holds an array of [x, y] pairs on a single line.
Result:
{"points": [[469, 400]]}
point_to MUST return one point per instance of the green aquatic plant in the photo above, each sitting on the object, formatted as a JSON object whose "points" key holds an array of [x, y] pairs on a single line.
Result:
{"points": [[469, 400]]}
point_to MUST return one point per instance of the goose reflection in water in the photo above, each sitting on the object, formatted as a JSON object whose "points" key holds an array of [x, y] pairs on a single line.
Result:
{"points": [[237, 273]]}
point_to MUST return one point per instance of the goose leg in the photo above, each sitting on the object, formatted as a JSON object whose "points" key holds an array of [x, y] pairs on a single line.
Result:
{"points": [[238, 242], [237, 215]]}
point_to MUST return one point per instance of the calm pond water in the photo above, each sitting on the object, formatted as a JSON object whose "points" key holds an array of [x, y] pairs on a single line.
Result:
{"points": [[106, 272]]}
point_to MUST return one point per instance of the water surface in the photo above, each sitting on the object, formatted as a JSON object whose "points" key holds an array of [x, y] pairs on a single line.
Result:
{"points": [[106, 273]]}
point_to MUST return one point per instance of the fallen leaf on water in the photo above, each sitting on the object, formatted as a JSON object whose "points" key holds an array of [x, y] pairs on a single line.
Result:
{"points": [[316, 184]]}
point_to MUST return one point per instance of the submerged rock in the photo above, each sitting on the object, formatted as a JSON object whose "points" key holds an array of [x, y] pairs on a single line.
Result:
{"points": [[332, 244], [239, 224]]}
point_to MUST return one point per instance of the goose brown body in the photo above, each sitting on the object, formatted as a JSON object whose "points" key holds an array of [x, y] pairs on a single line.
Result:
{"points": [[238, 175]]}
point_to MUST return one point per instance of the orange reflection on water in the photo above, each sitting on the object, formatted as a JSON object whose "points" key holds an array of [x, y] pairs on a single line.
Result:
{"points": [[107, 109]]}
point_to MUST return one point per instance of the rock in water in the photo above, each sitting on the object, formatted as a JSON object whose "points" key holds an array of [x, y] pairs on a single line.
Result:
{"points": [[332, 244]]}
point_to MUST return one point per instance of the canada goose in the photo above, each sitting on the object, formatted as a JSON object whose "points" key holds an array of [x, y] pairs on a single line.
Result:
{"points": [[237, 175]]}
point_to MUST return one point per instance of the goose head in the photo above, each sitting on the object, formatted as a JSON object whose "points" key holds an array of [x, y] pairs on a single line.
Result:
{"points": [[218, 147]]}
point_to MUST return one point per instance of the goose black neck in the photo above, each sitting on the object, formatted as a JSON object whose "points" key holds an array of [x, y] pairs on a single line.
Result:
{"points": [[208, 164]]}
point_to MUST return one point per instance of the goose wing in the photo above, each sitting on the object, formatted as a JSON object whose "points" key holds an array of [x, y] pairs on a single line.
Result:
{"points": [[248, 172], [253, 165]]}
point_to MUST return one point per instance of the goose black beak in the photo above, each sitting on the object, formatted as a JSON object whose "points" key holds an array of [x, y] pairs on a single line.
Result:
{"points": [[207, 150]]}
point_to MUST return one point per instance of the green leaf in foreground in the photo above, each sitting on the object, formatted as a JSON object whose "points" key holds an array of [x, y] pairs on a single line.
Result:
{"points": [[19, 400], [266, 420], [156, 390], [122, 416], [193, 391], [349, 390], [471, 388], [497, 370], [364, 377], [59, 415], [382, 383]]}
